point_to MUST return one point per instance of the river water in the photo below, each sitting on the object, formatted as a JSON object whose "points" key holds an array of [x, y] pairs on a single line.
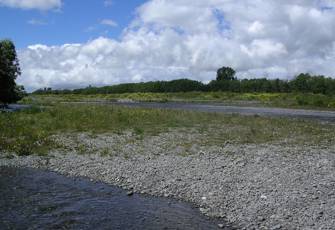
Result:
{"points": [[36, 199], [14, 107], [328, 116]]}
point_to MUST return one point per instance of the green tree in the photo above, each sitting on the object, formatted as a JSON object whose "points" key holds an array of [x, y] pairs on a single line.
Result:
{"points": [[9, 71], [301, 83], [225, 73]]}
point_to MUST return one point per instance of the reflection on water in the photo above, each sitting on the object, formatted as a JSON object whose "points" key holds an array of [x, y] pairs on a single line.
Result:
{"points": [[35, 199]]}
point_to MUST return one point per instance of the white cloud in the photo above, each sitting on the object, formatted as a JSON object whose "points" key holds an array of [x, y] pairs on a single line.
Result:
{"points": [[109, 22], [32, 4], [36, 22], [189, 38], [256, 28], [260, 48]]}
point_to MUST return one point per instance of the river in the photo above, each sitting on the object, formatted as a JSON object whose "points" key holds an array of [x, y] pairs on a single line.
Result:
{"points": [[37, 199]]}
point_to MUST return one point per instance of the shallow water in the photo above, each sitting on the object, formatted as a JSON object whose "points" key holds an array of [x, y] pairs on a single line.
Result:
{"points": [[14, 107], [319, 115], [328, 116], [36, 199]]}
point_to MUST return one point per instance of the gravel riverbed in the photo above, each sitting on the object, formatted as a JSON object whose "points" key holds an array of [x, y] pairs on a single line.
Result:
{"points": [[265, 186]]}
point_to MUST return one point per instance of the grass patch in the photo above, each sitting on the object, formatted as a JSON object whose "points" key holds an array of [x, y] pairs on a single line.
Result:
{"points": [[30, 131], [285, 100]]}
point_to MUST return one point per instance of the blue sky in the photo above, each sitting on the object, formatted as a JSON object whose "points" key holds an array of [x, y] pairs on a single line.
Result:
{"points": [[77, 21], [76, 43]]}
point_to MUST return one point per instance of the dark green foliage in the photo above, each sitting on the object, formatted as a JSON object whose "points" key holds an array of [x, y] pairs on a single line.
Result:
{"points": [[224, 85], [304, 83], [9, 71], [313, 84], [226, 81], [181, 85], [225, 74]]}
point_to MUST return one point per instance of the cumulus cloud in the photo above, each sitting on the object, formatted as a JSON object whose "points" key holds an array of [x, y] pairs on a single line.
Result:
{"points": [[32, 4], [192, 38]]}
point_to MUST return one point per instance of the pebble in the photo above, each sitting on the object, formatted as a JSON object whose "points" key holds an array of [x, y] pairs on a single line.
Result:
{"points": [[264, 197], [220, 225], [276, 227], [130, 193], [261, 218]]}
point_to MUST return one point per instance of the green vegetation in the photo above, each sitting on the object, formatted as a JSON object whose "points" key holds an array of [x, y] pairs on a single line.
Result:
{"points": [[284, 100], [30, 131], [9, 71], [226, 74], [225, 82]]}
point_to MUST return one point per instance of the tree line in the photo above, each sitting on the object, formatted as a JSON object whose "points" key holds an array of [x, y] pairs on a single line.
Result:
{"points": [[225, 81]]}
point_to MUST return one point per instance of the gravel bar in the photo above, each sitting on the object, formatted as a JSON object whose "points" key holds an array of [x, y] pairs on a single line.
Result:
{"points": [[268, 186]]}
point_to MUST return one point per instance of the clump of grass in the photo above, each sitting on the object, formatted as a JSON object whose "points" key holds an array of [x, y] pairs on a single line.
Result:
{"points": [[105, 152]]}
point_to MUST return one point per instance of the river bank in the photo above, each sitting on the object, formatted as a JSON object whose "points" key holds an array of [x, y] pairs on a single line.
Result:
{"points": [[262, 186]]}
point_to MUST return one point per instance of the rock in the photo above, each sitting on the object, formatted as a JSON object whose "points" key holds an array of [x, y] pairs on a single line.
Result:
{"points": [[130, 193], [276, 227], [261, 218], [263, 197], [315, 197], [220, 225]]}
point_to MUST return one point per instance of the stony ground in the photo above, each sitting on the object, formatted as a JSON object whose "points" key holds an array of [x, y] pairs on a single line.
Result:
{"points": [[269, 186]]}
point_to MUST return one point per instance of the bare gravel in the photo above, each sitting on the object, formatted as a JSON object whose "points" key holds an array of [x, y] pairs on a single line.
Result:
{"points": [[268, 186]]}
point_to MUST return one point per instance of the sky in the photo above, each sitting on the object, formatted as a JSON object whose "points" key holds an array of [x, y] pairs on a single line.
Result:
{"points": [[75, 43]]}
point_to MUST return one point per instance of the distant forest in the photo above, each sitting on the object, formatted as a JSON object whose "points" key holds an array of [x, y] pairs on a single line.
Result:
{"points": [[225, 81]]}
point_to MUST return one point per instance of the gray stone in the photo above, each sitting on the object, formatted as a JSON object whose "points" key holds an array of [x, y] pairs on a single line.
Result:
{"points": [[130, 193]]}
